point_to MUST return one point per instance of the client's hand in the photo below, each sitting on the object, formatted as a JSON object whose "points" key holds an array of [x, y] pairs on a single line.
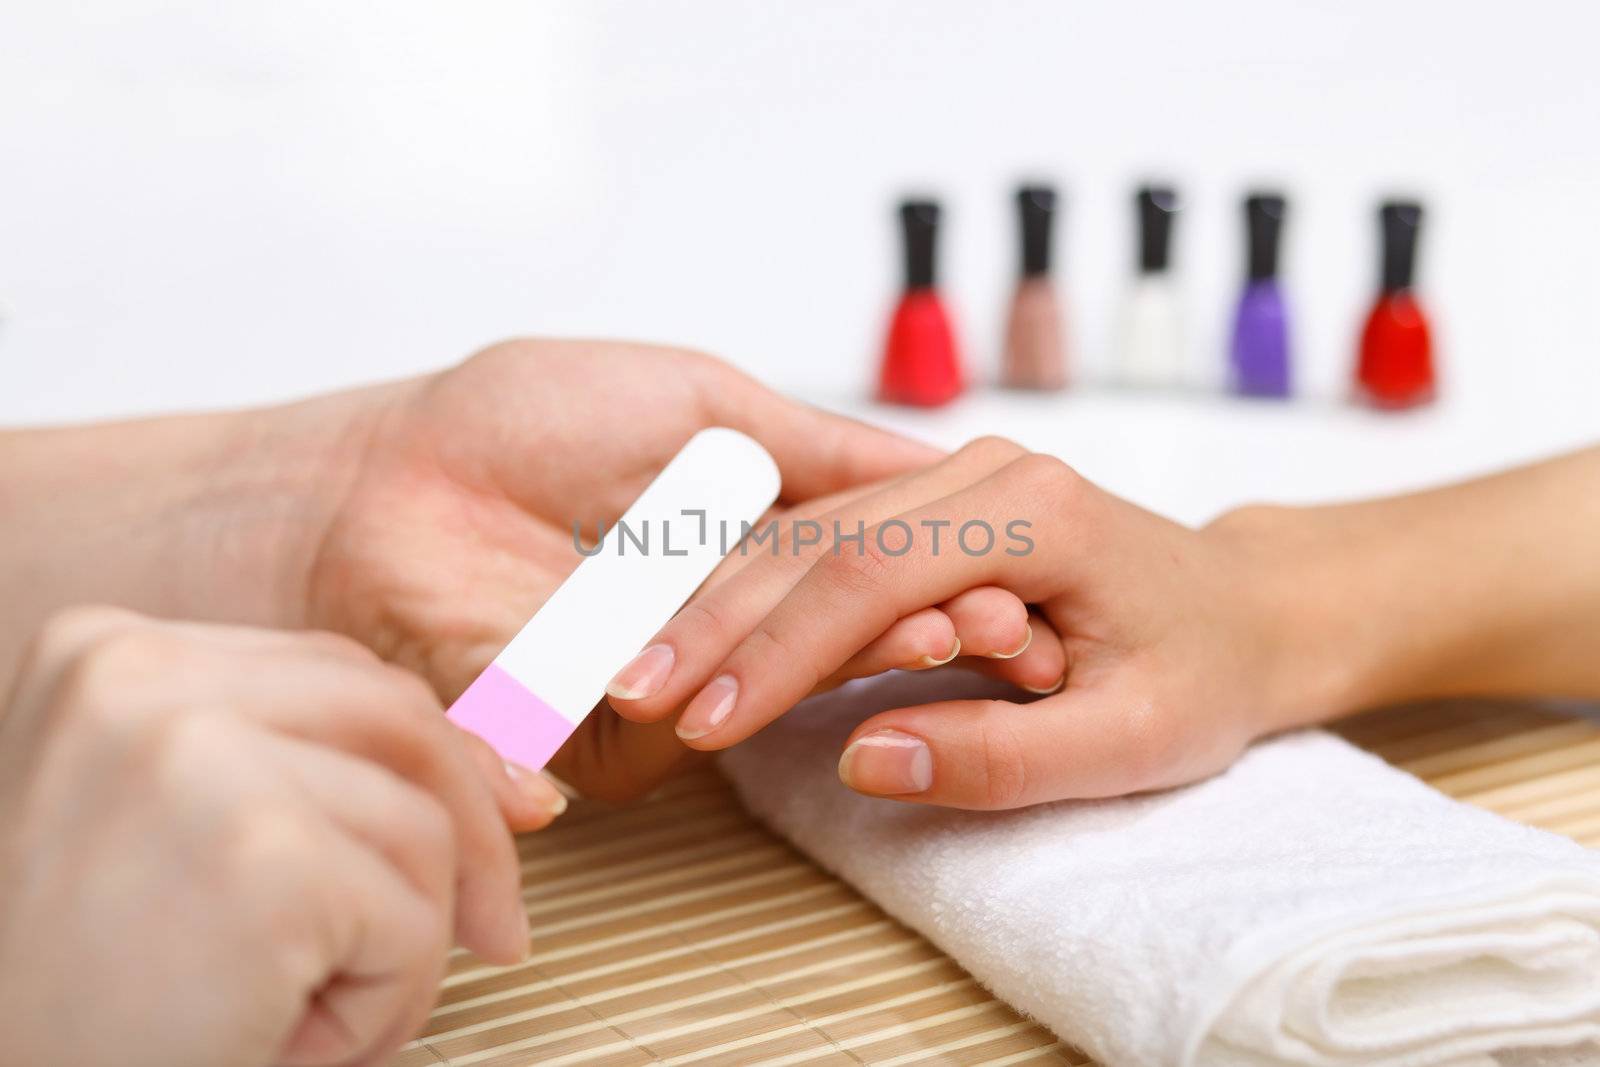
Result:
{"points": [[1147, 634], [277, 823]]}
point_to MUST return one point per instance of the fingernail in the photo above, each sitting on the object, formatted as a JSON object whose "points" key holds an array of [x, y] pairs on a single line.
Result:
{"points": [[526, 952], [887, 763], [1026, 641], [929, 661], [644, 675], [1053, 689], [538, 788], [710, 708]]}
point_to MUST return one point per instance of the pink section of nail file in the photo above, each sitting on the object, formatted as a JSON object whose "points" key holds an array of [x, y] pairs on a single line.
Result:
{"points": [[617, 596], [521, 727]]}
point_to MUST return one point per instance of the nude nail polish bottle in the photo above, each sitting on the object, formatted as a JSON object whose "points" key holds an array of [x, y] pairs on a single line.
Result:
{"points": [[1395, 368], [921, 365], [1035, 350], [1151, 350], [1259, 355]]}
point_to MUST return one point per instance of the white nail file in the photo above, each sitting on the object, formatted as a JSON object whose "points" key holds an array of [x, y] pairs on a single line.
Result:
{"points": [[531, 698]]}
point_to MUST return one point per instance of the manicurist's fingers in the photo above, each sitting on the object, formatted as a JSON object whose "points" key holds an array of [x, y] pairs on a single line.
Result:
{"points": [[387, 946], [990, 754], [390, 717], [528, 800], [616, 761], [409, 828]]}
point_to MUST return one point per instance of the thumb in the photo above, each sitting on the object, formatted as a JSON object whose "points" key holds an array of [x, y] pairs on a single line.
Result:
{"points": [[817, 452], [995, 754]]}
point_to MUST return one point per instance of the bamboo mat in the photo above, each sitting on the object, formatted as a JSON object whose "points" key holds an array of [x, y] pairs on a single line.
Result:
{"points": [[681, 931]]}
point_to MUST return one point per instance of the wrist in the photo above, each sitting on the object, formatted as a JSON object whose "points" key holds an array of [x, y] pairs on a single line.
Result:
{"points": [[1306, 597], [213, 516], [277, 479]]}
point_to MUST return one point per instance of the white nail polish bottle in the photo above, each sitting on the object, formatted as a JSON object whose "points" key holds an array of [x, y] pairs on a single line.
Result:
{"points": [[1151, 352]]}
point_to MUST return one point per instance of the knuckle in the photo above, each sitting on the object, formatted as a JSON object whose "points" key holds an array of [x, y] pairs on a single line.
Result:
{"points": [[180, 743], [992, 448], [1043, 473], [1003, 765], [768, 647], [703, 623], [271, 856], [863, 572], [339, 645], [704, 372], [1156, 749], [433, 935], [429, 825], [695, 358], [496, 356], [409, 690], [116, 667], [68, 628], [267, 840]]}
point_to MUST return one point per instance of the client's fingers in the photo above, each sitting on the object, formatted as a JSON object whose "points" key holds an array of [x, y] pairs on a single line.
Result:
{"points": [[990, 622], [921, 640], [988, 628], [843, 602], [680, 659], [992, 754], [1041, 667]]}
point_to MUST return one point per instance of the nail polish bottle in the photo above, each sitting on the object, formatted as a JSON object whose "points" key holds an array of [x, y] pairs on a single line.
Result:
{"points": [[1395, 368], [921, 366], [1260, 350], [1035, 352], [1151, 352]]}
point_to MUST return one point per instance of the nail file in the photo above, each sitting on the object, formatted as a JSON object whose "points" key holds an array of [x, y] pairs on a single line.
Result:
{"points": [[531, 698]]}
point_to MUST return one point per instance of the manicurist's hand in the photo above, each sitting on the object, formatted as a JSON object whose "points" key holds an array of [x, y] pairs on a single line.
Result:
{"points": [[427, 519], [458, 521], [225, 846]]}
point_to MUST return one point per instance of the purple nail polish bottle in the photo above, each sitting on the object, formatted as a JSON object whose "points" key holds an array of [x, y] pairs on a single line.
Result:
{"points": [[1260, 355]]}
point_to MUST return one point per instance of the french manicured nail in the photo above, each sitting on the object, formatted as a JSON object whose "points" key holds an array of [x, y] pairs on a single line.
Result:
{"points": [[929, 661], [1053, 689], [537, 788], [887, 763], [644, 675], [710, 708], [1026, 641]]}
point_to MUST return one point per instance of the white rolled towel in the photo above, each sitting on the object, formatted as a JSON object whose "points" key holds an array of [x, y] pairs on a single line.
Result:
{"points": [[1311, 906]]}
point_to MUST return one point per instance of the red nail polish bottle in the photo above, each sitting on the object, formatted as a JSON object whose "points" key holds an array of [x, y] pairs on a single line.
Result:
{"points": [[1395, 369], [920, 363]]}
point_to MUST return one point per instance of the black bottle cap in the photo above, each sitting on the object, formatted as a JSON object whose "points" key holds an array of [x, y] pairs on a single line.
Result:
{"points": [[1037, 206], [1263, 214], [919, 220], [1157, 204], [1400, 219]]}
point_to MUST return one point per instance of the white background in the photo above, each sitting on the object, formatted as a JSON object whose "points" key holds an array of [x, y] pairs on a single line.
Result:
{"points": [[219, 204]]}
